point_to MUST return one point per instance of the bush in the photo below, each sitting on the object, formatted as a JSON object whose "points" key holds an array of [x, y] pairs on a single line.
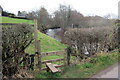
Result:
{"points": [[106, 59], [88, 65], [15, 39], [91, 40], [48, 75]]}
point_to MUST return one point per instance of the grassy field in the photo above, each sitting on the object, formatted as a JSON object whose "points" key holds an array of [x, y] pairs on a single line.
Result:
{"points": [[47, 43], [85, 70], [15, 20]]}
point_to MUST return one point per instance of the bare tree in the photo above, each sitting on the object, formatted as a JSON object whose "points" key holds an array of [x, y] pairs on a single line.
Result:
{"points": [[43, 19], [32, 15]]}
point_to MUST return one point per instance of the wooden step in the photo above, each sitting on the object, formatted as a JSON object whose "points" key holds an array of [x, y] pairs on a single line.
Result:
{"points": [[56, 66], [52, 67]]}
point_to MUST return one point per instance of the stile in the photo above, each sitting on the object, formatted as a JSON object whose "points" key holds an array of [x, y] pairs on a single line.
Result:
{"points": [[52, 67]]}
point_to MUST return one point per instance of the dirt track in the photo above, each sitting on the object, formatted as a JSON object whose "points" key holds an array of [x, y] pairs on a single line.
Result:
{"points": [[111, 72]]}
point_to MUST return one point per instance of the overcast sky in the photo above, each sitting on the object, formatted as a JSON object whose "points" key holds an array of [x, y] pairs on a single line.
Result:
{"points": [[86, 7]]}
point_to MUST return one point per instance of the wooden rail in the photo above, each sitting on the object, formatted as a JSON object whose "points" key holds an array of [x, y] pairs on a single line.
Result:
{"points": [[61, 52], [54, 60], [57, 66]]}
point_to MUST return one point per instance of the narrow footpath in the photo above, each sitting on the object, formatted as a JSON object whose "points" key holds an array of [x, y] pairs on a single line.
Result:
{"points": [[111, 72]]}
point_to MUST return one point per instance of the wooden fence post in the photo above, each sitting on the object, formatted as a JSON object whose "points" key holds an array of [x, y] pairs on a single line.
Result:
{"points": [[35, 35], [118, 33], [32, 61], [68, 55], [37, 44], [65, 57]]}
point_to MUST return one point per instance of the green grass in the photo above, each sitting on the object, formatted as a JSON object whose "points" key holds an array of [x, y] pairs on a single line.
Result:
{"points": [[84, 70], [15, 20], [47, 44], [52, 57], [95, 65]]}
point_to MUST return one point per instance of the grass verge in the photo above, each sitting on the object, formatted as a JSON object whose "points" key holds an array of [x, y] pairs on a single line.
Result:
{"points": [[85, 70]]}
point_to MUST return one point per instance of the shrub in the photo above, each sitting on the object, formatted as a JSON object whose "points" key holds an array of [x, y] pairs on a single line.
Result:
{"points": [[88, 65], [91, 40], [48, 75], [15, 39]]}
